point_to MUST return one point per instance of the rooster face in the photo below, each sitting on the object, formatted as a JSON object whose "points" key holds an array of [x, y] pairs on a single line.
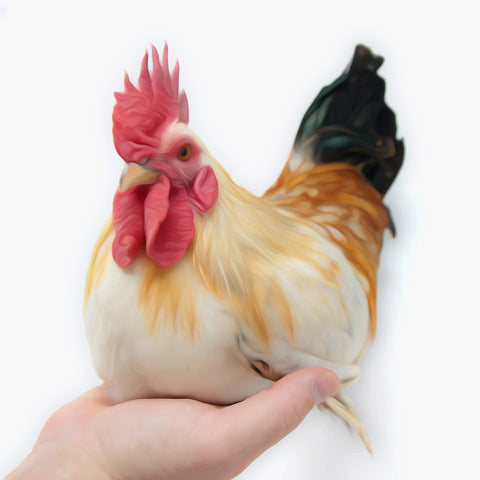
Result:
{"points": [[179, 156], [168, 177]]}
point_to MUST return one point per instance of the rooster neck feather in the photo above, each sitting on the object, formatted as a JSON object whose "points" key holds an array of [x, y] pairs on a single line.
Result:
{"points": [[245, 250]]}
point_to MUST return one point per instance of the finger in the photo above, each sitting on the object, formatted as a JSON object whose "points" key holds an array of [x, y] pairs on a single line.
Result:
{"points": [[259, 422]]}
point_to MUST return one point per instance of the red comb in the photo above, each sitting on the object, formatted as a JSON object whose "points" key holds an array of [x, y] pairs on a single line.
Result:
{"points": [[141, 112]]}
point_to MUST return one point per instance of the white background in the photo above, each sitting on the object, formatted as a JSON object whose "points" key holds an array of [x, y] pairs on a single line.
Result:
{"points": [[250, 70]]}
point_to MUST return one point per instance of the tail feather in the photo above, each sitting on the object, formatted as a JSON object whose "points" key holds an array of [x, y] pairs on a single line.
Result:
{"points": [[349, 122], [351, 419]]}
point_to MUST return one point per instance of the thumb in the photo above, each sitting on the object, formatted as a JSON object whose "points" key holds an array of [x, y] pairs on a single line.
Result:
{"points": [[262, 420]]}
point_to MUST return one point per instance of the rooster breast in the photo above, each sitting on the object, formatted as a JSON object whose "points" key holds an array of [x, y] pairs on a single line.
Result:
{"points": [[167, 354]]}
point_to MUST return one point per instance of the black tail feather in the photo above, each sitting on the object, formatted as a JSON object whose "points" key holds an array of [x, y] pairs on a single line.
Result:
{"points": [[349, 122]]}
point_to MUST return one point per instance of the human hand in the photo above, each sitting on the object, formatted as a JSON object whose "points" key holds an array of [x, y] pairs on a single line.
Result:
{"points": [[174, 439]]}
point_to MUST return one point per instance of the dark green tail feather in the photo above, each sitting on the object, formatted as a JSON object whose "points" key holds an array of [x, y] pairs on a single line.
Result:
{"points": [[349, 122]]}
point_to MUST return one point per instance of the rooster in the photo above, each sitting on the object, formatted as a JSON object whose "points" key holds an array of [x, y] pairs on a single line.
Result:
{"points": [[198, 288]]}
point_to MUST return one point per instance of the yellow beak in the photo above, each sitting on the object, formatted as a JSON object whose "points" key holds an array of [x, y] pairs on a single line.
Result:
{"points": [[135, 174]]}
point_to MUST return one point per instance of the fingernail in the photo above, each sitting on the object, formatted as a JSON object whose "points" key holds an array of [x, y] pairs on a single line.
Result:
{"points": [[324, 387]]}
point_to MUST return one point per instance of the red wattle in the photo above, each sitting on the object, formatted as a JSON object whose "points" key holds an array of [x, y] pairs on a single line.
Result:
{"points": [[128, 221], [156, 206], [168, 238]]}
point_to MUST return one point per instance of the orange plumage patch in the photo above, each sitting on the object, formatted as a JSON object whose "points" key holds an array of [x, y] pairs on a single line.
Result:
{"points": [[167, 297], [98, 260], [337, 198]]}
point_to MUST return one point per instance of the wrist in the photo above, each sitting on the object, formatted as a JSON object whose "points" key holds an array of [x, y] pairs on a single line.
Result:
{"points": [[58, 463]]}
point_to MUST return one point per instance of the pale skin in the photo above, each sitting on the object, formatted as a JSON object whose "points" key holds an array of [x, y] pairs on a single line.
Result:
{"points": [[174, 439]]}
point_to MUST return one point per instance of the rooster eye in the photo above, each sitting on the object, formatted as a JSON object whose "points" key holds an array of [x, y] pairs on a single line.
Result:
{"points": [[184, 152]]}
